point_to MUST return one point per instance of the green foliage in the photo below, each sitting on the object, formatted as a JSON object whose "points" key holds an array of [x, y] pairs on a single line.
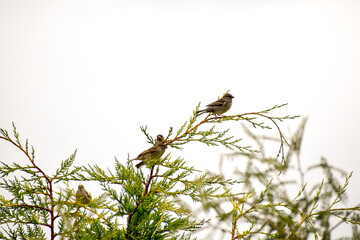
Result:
{"points": [[153, 202], [31, 209]]}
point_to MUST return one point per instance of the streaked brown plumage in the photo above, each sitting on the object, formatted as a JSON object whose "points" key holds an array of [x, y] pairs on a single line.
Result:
{"points": [[218, 107], [154, 152]]}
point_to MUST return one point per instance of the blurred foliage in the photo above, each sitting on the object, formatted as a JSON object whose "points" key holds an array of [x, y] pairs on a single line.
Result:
{"points": [[290, 205]]}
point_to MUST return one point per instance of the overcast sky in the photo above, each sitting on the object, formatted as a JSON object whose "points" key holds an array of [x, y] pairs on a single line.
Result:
{"points": [[87, 74]]}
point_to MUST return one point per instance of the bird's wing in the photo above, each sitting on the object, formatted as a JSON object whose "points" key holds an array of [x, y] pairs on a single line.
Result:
{"points": [[146, 152], [87, 194], [217, 103]]}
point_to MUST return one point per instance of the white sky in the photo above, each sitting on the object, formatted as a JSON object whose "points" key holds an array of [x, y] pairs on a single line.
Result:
{"points": [[87, 74]]}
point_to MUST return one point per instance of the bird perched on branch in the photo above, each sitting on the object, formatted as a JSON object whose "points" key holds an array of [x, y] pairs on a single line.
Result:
{"points": [[82, 196], [154, 152], [218, 107]]}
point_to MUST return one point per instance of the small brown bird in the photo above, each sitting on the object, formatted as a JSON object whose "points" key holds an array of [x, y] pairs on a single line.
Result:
{"points": [[218, 107], [82, 196], [154, 152]]}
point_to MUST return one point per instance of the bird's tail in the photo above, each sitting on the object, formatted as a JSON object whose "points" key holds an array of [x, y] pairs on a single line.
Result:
{"points": [[198, 113], [140, 164]]}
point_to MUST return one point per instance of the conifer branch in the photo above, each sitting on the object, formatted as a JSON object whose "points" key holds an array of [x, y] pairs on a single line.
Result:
{"points": [[188, 131]]}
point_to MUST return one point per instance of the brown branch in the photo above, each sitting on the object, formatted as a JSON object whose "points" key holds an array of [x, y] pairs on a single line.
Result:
{"points": [[28, 156], [48, 180], [347, 215], [305, 218], [146, 192], [207, 119], [25, 222], [234, 223], [26, 205], [190, 130]]}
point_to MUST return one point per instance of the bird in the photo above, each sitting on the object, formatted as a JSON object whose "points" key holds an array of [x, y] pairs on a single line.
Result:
{"points": [[82, 196], [218, 107], [154, 152]]}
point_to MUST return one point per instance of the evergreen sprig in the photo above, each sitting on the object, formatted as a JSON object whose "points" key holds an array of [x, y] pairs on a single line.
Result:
{"points": [[139, 197], [189, 131]]}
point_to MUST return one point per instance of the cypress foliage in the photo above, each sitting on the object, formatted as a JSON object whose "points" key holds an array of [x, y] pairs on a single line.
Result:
{"points": [[154, 202]]}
